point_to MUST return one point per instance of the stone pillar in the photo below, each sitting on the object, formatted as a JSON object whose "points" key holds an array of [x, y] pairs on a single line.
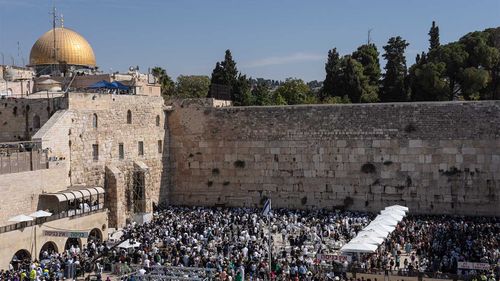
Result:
{"points": [[115, 196]]}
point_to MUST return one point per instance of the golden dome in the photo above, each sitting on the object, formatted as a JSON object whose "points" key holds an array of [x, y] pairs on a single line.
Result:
{"points": [[71, 47]]}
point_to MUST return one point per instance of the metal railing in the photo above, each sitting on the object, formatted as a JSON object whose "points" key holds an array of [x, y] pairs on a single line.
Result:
{"points": [[37, 221]]}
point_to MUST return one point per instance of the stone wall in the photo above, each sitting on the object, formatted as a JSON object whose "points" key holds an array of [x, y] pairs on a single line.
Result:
{"points": [[441, 157], [17, 116], [19, 192], [113, 129]]}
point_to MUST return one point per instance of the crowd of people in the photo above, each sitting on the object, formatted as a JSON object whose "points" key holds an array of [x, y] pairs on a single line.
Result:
{"points": [[233, 244], [437, 244]]}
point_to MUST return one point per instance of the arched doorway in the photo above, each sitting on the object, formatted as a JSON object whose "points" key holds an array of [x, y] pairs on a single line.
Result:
{"points": [[47, 249], [95, 235], [21, 257], [75, 242]]}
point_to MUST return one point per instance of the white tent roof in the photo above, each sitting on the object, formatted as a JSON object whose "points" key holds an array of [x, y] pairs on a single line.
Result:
{"points": [[393, 211], [365, 238], [395, 217], [40, 214], [374, 233], [20, 218], [359, 248], [386, 221], [399, 207], [380, 226]]}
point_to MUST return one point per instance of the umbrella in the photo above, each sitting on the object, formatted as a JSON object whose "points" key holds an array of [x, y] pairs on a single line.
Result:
{"points": [[126, 244], [102, 84], [21, 218], [120, 86], [40, 214], [359, 248]]}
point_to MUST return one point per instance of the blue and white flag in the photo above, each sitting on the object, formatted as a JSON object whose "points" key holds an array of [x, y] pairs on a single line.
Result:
{"points": [[267, 207]]}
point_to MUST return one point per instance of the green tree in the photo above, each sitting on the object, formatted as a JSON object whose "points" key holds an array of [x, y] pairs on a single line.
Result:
{"points": [[225, 73], [279, 99], [262, 94], [368, 55], [428, 81], [337, 100], [241, 91], [393, 84], [192, 86], [166, 83], [294, 91], [433, 37], [332, 68]]}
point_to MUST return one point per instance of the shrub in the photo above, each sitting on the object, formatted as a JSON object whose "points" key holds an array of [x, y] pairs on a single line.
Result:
{"points": [[410, 128], [225, 183], [215, 171], [210, 183], [303, 200], [239, 164]]}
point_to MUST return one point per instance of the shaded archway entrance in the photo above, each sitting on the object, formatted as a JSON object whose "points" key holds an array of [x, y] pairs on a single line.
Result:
{"points": [[20, 257], [47, 249], [95, 235], [75, 242]]}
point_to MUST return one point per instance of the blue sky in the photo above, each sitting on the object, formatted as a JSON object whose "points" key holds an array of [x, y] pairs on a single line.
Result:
{"points": [[274, 39]]}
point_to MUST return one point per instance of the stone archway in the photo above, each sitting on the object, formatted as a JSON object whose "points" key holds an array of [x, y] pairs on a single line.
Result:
{"points": [[73, 242], [47, 249], [19, 257], [95, 235]]}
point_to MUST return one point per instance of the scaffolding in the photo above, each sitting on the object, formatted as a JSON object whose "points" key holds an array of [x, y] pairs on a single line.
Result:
{"points": [[139, 185]]}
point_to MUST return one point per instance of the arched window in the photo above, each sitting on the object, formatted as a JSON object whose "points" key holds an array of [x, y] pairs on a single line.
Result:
{"points": [[94, 120], [36, 122], [157, 120], [129, 117]]}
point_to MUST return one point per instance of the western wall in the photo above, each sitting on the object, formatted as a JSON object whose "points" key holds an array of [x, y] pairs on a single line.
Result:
{"points": [[435, 157]]}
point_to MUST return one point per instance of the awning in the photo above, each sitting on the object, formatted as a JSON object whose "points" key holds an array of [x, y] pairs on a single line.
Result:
{"points": [[74, 193]]}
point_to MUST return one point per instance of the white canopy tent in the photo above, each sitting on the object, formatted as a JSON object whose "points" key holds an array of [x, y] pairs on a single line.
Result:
{"points": [[393, 211], [40, 214], [367, 239], [359, 248], [395, 217], [374, 233], [398, 207], [20, 218], [386, 221], [380, 226]]}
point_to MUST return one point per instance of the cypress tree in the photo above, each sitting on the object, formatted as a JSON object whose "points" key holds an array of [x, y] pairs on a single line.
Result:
{"points": [[434, 36], [393, 84]]}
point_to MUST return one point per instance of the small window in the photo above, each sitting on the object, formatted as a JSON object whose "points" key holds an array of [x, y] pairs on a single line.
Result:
{"points": [[141, 148], [95, 152], [121, 151], [94, 120], [157, 120], [160, 147], [36, 122], [129, 117]]}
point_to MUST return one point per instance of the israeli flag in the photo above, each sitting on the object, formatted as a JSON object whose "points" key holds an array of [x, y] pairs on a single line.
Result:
{"points": [[267, 207]]}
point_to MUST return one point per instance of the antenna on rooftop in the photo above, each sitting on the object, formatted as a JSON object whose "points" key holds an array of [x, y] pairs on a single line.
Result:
{"points": [[369, 40]]}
